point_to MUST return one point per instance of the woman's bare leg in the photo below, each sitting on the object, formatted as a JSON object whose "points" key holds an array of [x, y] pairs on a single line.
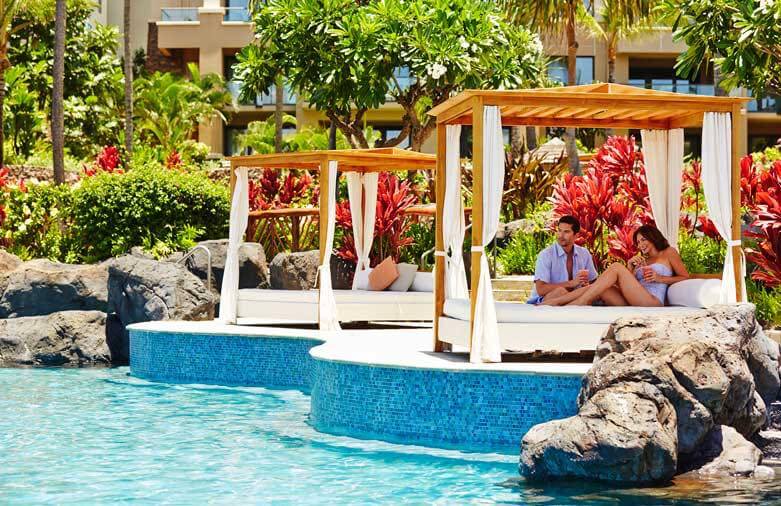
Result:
{"points": [[612, 297], [617, 275]]}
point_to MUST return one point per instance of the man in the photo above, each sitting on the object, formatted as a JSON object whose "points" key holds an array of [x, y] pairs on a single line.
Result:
{"points": [[563, 266]]}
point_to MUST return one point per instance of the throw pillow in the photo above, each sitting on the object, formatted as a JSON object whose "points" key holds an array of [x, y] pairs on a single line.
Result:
{"points": [[363, 279], [405, 279], [383, 275]]}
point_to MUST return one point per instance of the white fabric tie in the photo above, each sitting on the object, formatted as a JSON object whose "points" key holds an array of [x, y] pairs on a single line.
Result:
{"points": [[735, 242], [440, 254], [478, 249]]}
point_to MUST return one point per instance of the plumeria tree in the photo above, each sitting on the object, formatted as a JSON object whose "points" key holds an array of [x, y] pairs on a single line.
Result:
{"points": [[742, 37], [344, 57]]}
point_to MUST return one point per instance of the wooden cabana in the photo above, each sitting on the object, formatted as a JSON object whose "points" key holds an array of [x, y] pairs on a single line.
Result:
{"points": [[363, 162], [588, 106]]}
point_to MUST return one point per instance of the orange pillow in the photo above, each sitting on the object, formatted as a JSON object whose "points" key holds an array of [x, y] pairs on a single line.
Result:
{"points": [[382, 276]]}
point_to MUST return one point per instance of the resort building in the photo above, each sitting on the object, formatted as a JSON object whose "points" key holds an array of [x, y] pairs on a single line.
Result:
{"points": [[210, 33]]}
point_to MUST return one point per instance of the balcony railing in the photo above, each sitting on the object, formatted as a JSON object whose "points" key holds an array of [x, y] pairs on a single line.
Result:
{"points": [[674, 86], [767, 104], [289, 98], [237, 14], [179, 14]]}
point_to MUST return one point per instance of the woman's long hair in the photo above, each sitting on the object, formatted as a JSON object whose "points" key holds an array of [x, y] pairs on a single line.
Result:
{"points": [[653, 235]]}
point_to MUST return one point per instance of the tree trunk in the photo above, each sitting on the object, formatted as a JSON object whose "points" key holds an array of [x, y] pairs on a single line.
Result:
{"points": [[611, 76], [517, 141], [332, 136], [279, 99], [717, 77], [2, 118], [58, 88], [128, 82], [531, 137], [572, 68]]}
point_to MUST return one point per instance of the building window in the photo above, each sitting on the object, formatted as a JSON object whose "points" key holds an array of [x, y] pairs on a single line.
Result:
{"points": [[237, 10], [231, 133], [557, 70]]}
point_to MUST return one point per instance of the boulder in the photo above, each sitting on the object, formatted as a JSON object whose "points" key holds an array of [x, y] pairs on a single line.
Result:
{"points": [[713, 367], [724, 453], [625, 433], [42, 287], [8, 262], [253, 269], [61, 338], [143, 290], [769, 443], [294, 271]]}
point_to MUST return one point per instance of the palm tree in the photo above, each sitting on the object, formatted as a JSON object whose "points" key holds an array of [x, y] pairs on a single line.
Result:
{"points": [[9, 10], [128, 81], [551, 17], [623, 19], [58, 91], [279, 98]]}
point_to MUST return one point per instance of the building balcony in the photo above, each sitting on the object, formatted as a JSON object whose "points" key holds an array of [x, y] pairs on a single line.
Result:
{"points": [[674, 86], [766, 104], [262, 99], [179, 14]]}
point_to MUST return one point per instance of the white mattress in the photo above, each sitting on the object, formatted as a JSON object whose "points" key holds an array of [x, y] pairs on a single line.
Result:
{"points": [[352, 305], [514, 312]]}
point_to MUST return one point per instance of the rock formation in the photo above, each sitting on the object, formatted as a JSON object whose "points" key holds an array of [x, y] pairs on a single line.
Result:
{"points": [[141, 290], [294, 271], [42, 287], [659, 390], [66, 337]]}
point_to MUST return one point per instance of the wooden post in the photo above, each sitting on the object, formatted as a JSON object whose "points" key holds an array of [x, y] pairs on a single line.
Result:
{"points": [[325, 191], [439, 261], [738, 134], [477, 206]]}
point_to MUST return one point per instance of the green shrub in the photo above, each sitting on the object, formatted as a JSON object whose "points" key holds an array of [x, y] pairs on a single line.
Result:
{"points": [[422, 234], [767, 301], [36, 223], [701, 255], [520, 255], [150, 206]]}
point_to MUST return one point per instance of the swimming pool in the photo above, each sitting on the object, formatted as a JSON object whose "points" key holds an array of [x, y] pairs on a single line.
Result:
{"points": [[76, 436]]}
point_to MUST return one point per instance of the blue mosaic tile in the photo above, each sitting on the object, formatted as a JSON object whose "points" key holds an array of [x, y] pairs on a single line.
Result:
{"points": [[480, 411], [222, 359]]}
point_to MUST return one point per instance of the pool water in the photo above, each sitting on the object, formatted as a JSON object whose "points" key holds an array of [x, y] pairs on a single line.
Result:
{"points": [[96, 436]]}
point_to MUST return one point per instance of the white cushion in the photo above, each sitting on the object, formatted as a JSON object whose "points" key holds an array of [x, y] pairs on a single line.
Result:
{"points": [[363, 279], [405, 279], [694, 293], [423, 282], [514, 312]]}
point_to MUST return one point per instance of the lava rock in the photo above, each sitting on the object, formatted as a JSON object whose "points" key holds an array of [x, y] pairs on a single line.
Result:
{"points": [[295, 271], [61, 338], [41, 287], [143, 290], [8, 262], [724, 453], [713, 367], [253, 269]]}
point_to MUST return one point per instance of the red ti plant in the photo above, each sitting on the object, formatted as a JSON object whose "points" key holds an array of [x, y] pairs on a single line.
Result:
{"points": [[767, 231], [108, 160], [272, 191], [390, 226], [173, 160]]}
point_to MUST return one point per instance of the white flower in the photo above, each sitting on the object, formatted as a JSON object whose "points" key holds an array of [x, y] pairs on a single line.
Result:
{"points": [[463, 43], [257, 35], [474, 48], [537, 44]]}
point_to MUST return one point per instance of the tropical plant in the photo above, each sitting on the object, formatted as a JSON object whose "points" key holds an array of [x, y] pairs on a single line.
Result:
{"points": [[767, 302], [169, 107], [23, 120], [528, 179], [92, 75], [701, 254], [390, 226], [741, 37], [520, 254], [343, 57], [149, 205], [58, 93]]}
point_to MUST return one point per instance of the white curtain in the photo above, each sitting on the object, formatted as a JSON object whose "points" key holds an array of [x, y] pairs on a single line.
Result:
{"points": [[362, 189], [663, 155], [229, 294], [327, 305], [717, 186], [486, 346], [453, 225]]}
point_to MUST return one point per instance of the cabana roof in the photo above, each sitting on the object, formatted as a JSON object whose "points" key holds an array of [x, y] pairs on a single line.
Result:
{"points": [[605, 105], [350, 160]]}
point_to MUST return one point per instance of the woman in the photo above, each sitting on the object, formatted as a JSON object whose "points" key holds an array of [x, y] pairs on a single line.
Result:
{"points": [[643, 283]]}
